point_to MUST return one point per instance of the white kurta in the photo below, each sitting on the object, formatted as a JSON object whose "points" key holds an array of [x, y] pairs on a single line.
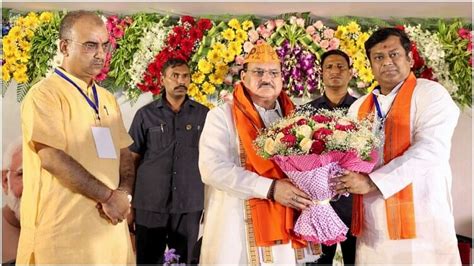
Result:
{"points": [[433, 117], [228, 185]]}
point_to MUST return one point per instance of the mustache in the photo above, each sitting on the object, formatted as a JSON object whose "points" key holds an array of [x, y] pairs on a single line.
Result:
{"points": [[180, 87], [266, 84]]}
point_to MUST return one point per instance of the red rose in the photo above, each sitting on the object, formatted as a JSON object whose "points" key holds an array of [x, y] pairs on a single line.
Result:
{"points": [[418, 60], [345, 127], [204, 24], [400, 27], [287, 130], [321, 119], [427, 74], [317, 147], [321, 133], [188, 19], [301, 122], [180, 31], [195, 34], [289, 140]]}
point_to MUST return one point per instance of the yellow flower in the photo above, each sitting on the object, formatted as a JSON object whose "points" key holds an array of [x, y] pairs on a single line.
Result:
{"points": [[198, 77], [5, 73], [15, 32], [209, 105], [372, 87], [228, 34], [353, 27], [236, 47], [200, 98], [219, 47], [208, 88], [20, 76], [340, 32], [214, 79], [193, 90], [24, 45], [29, 33], [247, 25], [241, 36], [213, 56], [204, 66], [234, 23], [23, 57], [229, 56], [46, 17]]}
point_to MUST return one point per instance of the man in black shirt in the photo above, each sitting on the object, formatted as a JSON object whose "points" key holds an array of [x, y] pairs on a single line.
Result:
{"points": [[337, 73], [169, 193]]}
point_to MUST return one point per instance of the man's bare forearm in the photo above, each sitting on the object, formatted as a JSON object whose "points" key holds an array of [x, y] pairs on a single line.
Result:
{"points": [[127, 170], [72, 174]]}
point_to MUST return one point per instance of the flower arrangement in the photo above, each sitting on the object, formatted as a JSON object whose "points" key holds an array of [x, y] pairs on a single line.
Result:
{"points": [[352, 41], [116, 28], [180, 43], [323, 132], [118, 77], [150, 45], [431, 50], [312, 149], [300, 57], [218, 59], [17, 46], [457, 43], [323, 35]]}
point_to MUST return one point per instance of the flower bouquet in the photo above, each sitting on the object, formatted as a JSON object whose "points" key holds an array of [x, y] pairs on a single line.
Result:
{"points": [[313, 149]]}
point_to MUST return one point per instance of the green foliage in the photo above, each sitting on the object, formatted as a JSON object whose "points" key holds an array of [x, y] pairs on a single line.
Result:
{"points": [[127, 46], [457, 57], [43, 48]]}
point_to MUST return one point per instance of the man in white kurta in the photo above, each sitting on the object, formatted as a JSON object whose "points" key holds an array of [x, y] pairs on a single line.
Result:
{"points": [[424, 165]]}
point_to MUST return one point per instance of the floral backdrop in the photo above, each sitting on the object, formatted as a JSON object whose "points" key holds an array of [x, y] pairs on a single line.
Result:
{"points": [[215, 48]]}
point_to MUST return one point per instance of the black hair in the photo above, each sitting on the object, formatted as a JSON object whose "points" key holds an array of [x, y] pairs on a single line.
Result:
{"points": [[382, 34], [173, 62], [72, 17], [336, 52]]}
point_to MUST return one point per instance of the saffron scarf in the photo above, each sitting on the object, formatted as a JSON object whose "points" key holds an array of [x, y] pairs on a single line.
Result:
{"points": [[399, 208], [272, 222]]}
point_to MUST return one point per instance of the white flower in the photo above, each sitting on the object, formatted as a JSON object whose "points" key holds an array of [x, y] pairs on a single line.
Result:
{"points": [[269, 146], [305, 144], [278, 138], [339, 137], [305, 131]]}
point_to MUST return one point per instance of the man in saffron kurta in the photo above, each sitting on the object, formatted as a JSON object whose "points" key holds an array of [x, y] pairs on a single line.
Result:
{"points": [[75, 198], [249, 204], [403, 210]]}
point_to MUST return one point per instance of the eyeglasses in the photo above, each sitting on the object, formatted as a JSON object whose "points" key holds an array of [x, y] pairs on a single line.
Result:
{"points": [[260, 73], [93, 47]]}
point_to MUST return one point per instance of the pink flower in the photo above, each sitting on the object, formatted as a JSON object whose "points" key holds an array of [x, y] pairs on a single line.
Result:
{"points": [[253, 36], [318, 25], [334, 44], [316, 38], [113, 19], [270, 25], [260, 41], [266, 33], [328, 33], [100, 77], [321, 133], [361, 84], [226, 96], [292, 20], [300, 22], [118, 32], [310, 30], [234, 70], [324, 44], [279, 22], [289, 140], [463, 33], [317, 147], [248, 47], [228, 80]]}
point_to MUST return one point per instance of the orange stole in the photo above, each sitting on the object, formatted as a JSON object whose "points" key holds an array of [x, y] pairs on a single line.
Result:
{"points": [[400, 208], [272, 221]]}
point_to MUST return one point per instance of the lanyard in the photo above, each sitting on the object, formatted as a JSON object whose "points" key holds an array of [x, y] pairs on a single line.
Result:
{"points": [[379, 111], [93, 105]]}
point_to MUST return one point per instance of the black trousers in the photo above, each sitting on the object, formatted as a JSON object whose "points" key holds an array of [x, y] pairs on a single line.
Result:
{"points": [[181, 233], [348, 251]]}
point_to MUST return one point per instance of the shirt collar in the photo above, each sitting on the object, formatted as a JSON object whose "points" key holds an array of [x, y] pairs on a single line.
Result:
{"points": [[82, 84], [346, 102], [392, 93], [262, 110], [187, 101]]}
